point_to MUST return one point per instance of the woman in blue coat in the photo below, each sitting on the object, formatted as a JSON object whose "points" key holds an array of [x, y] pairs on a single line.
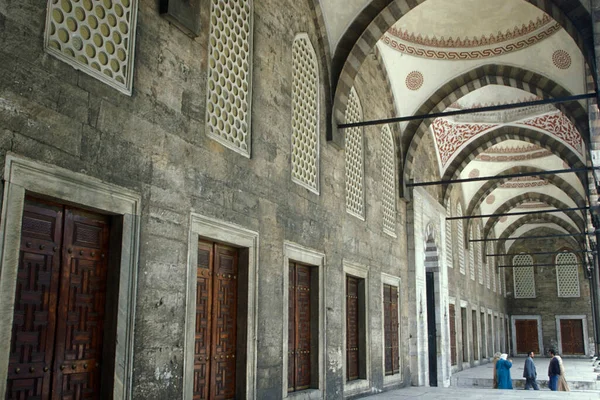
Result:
{"points": [[503, 372]]}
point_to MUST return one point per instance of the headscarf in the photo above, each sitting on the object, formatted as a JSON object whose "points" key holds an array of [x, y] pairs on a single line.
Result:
{"points": [[497, 354], [504, 356]]}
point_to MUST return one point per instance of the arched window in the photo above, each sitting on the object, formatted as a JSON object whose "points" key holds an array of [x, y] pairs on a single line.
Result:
{"points": [[567, 275], [523, 276], [355, 159], [388, 172], [449, 257], [478, 255], [461, 239], [305, 114], [472, 257]]}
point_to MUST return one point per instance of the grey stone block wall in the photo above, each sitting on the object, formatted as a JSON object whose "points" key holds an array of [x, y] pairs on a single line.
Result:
{"points": [[154, 143]]}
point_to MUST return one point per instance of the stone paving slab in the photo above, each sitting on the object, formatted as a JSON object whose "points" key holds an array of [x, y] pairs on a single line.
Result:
{"points": [[579, 372], [453, 393]]}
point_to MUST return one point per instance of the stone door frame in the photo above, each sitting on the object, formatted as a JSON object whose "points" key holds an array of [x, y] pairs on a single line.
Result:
{"points": [[583, 318], [23, 176]]}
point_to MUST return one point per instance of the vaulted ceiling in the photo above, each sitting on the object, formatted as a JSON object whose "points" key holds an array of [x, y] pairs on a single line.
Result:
{"points": [[444, 55]]}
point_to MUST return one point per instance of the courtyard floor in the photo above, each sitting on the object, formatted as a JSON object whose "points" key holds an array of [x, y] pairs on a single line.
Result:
{"points": [[476, 383]]}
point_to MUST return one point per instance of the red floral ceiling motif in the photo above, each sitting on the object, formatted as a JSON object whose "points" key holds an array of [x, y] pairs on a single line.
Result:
{"points": [[560, 126], [450, 136]]}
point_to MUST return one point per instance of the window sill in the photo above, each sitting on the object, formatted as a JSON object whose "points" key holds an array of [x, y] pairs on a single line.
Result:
{"points": [[307, 394], [356, 387]]}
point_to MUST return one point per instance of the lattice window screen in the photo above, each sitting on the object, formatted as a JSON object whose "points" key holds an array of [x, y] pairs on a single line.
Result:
{"points": [[471, 258], [354, 159], [96, 37], [492, 263], [487, 261], [449, 255], [478, 255], [503, 275], [523, 277], [389, 181], [567, 275], [229, 98], [305, 114], [461, 239]]}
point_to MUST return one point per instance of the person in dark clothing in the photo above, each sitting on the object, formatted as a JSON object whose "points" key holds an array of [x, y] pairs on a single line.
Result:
{"points": [[529, 373], [553, 371]]}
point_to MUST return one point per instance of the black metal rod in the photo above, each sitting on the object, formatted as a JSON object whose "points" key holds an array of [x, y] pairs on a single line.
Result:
{"points": [[535, 265], [507, 176], [540, 253], [533, 237], [499, 107], [518, 213]]}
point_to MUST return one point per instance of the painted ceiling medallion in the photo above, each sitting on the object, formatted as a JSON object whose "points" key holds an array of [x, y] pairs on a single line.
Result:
{"points": [[503, 219], [474, 173], [561, 59], [490, 199], [414, 80]]}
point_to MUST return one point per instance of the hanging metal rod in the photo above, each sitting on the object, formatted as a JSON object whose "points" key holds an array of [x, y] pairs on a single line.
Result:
{"points": [[507, 176], [499, 107], [533, 237], [539, 253], [518, 213], [534, 265]]}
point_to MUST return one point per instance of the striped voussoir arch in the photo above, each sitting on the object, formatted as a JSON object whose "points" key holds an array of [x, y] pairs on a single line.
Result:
{"points": [[514, 202], [492, 185], [378, 16], [508, 132], [479, 77], [538, 219]]}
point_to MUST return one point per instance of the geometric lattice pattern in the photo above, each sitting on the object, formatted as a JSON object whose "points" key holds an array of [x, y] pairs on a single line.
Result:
{"points": [[389, 181], [354, 159], [449, 254], [229, 78], [472, 250], [567, 275], [492, 262], [523, 277], [461, 240], [478, 255], [96, 37], [305, 110]]}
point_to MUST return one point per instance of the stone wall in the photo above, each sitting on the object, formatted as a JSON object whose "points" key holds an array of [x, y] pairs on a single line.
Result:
{"points": [[547, 303], [155, 144]]}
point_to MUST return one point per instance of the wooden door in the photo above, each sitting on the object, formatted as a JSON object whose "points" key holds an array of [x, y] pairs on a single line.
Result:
{"points": [[216, 322], [526, 331], [390, 315], [352, 329], [475, 336], [452, 318], [57, 341], [299, 328], [571, 336], [465, 334], [431, 328]]}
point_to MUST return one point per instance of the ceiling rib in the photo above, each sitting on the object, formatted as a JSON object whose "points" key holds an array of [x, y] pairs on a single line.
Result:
{"points": [[533, 237], [518, 213], [498, 107]]}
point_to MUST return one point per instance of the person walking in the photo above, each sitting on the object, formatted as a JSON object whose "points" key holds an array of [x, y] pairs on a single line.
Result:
{"points": [[494, 361], [503, 370], [553, 371], [529, 373], [562, 385]]}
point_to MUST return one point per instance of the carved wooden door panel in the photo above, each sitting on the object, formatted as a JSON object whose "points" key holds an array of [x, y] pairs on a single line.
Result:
{"points": [[352, 328], [56, 346], [216, 322], [571, 336], [81, 304], [32, 340], [452, 318], [390, 316], [202, 344], [299, 328], [224, 322], [526, 331]]}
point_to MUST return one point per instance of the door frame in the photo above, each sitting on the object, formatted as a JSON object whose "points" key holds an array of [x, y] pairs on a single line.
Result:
{"points": [[583, 326], [237, 236], [23, 176], [295, 252], [513, 320]]}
